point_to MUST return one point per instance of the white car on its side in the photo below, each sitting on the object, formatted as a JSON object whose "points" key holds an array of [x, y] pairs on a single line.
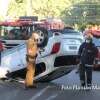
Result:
{"points": [[53, 61]]}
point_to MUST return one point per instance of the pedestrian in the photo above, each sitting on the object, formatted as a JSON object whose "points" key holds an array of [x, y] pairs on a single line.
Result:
{"points": [[32, 49], [1, 49], [87, 53]]}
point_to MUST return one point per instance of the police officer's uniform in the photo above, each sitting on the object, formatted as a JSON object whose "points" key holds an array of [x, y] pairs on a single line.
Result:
{"points": [[31, 61]]}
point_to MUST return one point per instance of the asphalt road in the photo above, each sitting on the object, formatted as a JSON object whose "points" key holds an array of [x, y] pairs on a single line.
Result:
{"points": [[64, 88]]}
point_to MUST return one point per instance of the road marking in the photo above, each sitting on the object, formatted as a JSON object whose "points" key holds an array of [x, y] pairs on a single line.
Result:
{"points": [[52, 97], [39, 93]]}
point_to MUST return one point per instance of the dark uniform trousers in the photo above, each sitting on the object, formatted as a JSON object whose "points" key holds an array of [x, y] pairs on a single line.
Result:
{"points": [[85, 74], [29, 81]]}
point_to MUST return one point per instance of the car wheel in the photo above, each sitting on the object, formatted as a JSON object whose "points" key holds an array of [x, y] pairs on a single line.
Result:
{"points": [[43, 37]]}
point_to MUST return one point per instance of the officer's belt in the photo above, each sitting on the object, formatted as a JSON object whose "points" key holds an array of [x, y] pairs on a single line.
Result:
{"points": [[30, 58]]}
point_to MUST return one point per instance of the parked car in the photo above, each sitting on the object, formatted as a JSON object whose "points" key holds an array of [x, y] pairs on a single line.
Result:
{"points": [[73, 40], [53, 61]]}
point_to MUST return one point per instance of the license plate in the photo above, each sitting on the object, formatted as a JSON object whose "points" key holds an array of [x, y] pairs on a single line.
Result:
{"points": [[73, 47]]}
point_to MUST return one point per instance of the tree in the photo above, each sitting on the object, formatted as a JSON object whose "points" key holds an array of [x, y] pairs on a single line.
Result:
{"points": [[49, 8], [41, 8], [83, 12], [16, 8]]}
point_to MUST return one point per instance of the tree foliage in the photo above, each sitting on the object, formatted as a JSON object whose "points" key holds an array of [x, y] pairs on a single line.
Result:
{"points": [[83, 12], [49, 8], [71, 11], [41, 8], [16, 8]]}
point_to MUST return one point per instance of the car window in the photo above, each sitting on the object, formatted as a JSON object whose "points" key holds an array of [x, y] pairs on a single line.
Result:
{"points": [[70, 31], [13, 33]]}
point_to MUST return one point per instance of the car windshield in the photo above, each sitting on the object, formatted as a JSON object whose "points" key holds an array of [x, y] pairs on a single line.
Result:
{"points": [[70, 31], [96, 41], [13, 33]]}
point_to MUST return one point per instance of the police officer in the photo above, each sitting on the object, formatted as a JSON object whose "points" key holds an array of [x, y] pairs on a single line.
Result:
{"points": [[1, 49], [87, 53]]}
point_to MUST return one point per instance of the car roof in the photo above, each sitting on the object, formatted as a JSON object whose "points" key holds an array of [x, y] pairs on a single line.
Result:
{"points": [[70, 31]]}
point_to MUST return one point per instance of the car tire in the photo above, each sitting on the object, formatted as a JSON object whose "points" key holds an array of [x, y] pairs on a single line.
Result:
{"points": [[43, 33]]}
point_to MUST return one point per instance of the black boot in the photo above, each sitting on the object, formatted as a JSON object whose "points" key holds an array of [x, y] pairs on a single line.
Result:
{"points": [[83, 84]]}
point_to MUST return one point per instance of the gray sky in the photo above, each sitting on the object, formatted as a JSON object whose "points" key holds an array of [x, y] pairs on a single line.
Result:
{"points": [[3, 7]]}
